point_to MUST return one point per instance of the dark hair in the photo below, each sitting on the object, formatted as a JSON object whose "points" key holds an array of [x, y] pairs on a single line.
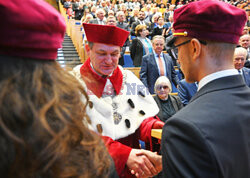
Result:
{"points": [[42, 133]]}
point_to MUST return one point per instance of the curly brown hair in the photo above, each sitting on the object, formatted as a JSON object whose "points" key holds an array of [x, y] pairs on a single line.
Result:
{"points": [[41, 123]]}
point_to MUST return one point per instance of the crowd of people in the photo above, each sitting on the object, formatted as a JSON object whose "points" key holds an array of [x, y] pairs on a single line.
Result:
{"points": [[145, 20], [156, 15], [87, 122]]}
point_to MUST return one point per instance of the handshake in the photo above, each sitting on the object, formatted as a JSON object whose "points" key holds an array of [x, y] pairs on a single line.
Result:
{"points": [[143, 163]]}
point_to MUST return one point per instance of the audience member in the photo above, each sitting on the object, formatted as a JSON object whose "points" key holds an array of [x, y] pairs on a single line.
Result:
{"points": [[67, 4], [122, 24], [170, 12], [41, 128], [116, 111], [147, 13], [111, 12], [186, 91], [140, 21], [167, 31], [245, 31], [100, 17], [134, 16], [92, 11], [173, 52], [140, 46], [78, 9], [87, 19], [209, 135], [168, 104], [111, 20], [240, 55], [157, 64], [245, 43], [159, 29]]}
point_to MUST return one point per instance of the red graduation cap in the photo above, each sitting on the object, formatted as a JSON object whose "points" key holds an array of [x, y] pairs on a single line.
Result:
{"points": [[30, 28], [107, 34], [210, 20]]}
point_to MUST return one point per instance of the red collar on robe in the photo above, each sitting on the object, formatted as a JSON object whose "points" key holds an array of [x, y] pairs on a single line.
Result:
{"points": [[96, 83]]}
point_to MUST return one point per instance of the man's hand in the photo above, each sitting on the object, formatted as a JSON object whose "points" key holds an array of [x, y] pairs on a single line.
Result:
{"points": [[155, 159], [139, 163]]}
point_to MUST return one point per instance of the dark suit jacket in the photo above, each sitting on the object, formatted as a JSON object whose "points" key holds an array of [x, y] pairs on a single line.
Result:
{"points": [[131, 20], [186, 91], [246, 75], [136, 52], [247, 64], [124, 26], [78, 12], [149, 71], [209, 138], [175, 101], [156, 31]]}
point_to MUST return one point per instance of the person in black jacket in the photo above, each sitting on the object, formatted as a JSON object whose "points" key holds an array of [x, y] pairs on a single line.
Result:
{"points": [[168, 104], [210, 135]]}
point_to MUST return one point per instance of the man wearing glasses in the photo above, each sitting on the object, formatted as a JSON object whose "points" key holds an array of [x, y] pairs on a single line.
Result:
{"points": [[210, 136]]}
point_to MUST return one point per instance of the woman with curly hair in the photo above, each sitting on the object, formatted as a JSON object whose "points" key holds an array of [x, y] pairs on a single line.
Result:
{"points": [[41, 111]]}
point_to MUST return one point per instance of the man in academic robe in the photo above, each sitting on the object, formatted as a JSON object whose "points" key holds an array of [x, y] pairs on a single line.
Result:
{"points": [[120, 107]]}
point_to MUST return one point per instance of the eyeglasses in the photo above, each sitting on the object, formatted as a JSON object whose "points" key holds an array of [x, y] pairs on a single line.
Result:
{"points": [[159, 87], [185, 42]]}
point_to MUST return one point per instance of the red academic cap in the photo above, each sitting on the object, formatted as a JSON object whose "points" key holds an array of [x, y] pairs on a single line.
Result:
{"points": [[211, 20], [30, 29], [107, 34]]}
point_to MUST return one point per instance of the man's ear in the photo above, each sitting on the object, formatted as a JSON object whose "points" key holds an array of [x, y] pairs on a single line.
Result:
{"points": [[87, 48], [196, 48]]}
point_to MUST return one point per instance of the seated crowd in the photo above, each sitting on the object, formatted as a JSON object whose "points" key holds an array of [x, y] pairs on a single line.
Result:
{"points": [[156, 16]]}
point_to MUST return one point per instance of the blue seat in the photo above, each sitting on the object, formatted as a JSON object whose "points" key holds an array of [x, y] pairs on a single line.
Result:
{"points": [[127, 61]]}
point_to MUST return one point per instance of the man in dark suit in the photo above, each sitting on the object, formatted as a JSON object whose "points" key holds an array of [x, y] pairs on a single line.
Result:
{"points": [[140, 21], [186, 91], [209, 138], [245, 43], [122, 24], [240, 55], [153, 63], [78, 9]]}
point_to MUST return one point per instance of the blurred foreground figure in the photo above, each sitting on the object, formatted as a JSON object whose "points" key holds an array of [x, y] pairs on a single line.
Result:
{"points": [[210, 136], [41, 130]]}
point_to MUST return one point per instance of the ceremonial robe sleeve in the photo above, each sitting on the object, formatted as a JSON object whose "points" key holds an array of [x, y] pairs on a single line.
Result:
{"points": [[145, 129], [119, 152]]}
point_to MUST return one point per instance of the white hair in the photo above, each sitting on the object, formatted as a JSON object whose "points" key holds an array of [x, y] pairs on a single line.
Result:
{"points": [[99, 10], [161, 80], [241, 50]]}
